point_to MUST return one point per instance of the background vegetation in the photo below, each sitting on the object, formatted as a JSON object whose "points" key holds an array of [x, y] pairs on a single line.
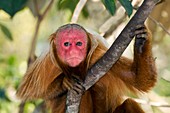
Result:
{"points": [[25, 26]]}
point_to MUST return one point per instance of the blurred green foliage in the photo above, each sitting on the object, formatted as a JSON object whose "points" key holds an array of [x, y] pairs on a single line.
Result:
{"points": [[6, 32], [70, 5], [111, 6], [162, 88], [9, 80], [12, 6], [127, 5]]}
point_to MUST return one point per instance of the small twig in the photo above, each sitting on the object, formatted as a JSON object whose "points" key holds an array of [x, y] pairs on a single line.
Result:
{"points": [[78, 10], [40, 18], [111, 24], [32, 57], [21, 107], [159, 24], [155, 21], [155, 104], [48, 7], [36, 7], [151, 103]]}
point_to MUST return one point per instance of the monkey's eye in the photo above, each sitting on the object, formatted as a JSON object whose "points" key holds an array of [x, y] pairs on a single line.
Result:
{"points": [[79, 43], [67, 44]]}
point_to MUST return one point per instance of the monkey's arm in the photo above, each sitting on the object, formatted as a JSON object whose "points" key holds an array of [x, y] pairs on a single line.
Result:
{"points": [[141, 72]]}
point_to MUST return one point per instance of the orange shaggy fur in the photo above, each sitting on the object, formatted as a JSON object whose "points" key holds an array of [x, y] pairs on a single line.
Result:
{"points": [[44, 79]]}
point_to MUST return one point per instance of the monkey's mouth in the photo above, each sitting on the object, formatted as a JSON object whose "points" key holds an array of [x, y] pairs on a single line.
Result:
{"points": [[74, 58], [74, 61]]}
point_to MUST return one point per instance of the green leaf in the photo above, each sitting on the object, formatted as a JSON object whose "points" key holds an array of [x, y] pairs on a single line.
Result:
{"points": [[12, 6], [110, 6], [71, 5], [162, 87], [2, 94], [127, 5], [6, 31]]}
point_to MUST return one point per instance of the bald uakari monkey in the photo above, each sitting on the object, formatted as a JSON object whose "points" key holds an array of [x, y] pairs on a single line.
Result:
{"points": [[72, 52]]}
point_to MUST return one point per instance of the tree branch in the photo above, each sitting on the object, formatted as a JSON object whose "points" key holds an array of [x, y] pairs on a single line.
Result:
{"points": [[111, 56], [32, 56], [78, 10], [151, 103], [111, 24], [34, 39], [160, 25]]}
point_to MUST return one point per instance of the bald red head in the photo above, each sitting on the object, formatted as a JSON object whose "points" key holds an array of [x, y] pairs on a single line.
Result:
{"points": [[71, 44]]}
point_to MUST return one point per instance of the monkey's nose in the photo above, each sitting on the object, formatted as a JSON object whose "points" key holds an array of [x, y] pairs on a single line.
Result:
{"points": [[74, 52]]}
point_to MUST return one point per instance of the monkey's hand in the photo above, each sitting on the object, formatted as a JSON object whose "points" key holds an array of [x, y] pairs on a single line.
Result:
{"points": [[141, 34], [73, 83], [78, 87], [68, 83]]}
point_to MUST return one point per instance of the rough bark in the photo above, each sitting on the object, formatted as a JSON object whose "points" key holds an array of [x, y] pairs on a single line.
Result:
{"points": [[111, 56]]}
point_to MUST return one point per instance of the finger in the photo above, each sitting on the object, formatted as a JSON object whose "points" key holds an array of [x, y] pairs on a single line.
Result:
{"points": [[79, 88], [141, 31], [141, 36], [140, 26], [67, 83]]}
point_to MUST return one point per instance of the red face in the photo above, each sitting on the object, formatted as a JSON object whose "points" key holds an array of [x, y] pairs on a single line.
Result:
{"points": [[71, 46]]}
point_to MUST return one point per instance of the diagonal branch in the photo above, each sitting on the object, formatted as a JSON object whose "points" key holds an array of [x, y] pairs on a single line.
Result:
{"points": [[111, 56], [160, 25], [32, 56], [34, 39], [78, 10]]}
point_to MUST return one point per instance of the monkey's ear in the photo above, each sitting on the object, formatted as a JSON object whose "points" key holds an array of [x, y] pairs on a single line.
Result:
{"points": [[52, 38]]}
